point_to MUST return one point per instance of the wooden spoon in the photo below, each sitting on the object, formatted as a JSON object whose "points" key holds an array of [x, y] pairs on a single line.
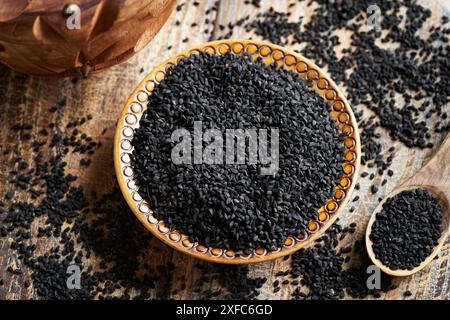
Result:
{"points": [[435, 178]]}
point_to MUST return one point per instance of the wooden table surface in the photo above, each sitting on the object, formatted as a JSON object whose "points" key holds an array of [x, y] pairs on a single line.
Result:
{"points": [[26, 99]]}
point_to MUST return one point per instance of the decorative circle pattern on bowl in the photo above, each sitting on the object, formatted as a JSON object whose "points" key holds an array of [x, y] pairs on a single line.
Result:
{"points": [[314, 77]]}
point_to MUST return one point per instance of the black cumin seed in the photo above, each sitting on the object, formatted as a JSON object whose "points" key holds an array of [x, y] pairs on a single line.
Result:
{"points": [[374, 189], [407, 229], [214, 202]]}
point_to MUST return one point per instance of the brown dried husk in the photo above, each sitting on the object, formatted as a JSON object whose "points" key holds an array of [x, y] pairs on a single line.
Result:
{"points": [[34, 37]]}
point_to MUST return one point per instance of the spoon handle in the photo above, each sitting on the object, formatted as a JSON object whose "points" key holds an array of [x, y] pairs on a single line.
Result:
{"points": [[436, 171]]}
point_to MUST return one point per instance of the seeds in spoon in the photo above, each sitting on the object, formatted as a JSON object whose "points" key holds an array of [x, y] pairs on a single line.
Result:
{"points": [[407, 229]]}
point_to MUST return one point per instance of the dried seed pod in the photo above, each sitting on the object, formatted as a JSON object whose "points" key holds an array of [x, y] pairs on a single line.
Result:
{"points": [[37, 37]]}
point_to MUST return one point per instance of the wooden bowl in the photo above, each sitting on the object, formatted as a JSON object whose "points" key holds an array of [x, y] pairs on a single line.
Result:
{"points": [[270, 53]]}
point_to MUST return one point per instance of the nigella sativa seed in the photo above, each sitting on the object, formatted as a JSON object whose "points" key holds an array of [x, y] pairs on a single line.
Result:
{"points": [[234, 206], [407, 229]]}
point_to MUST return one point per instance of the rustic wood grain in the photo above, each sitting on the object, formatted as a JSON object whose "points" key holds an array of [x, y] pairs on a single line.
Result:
{"points": [[28, 99]]}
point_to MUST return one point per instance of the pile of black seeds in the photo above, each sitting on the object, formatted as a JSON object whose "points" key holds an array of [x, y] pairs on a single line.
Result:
{"points": [[330, 269], [407, 229], [235, 206]]}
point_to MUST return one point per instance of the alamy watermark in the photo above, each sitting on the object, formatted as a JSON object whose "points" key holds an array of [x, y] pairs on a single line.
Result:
{"points": [[373, 17], [374, 279], [235, 147], [72, 12], [74, 279]]}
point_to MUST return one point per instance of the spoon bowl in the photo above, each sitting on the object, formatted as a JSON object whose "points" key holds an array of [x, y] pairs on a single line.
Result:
{"points": [[444, 227], [433, 177]]}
